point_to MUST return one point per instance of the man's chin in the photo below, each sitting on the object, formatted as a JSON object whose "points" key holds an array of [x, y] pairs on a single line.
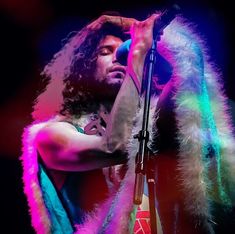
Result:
{"points": [[115, 82], [115, 78]]}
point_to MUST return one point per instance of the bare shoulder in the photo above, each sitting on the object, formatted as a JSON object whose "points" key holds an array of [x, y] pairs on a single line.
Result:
{"points": [[55, 128], [55, 133]]}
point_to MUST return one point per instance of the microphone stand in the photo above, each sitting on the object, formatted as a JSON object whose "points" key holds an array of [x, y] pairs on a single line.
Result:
{"points": [[144, 158]]}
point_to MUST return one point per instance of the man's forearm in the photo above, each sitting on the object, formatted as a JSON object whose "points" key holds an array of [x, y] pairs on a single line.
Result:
{"points": [[121, 118]]}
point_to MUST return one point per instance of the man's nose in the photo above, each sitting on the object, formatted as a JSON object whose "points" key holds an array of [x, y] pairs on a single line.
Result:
{"points": [[114, 59]]}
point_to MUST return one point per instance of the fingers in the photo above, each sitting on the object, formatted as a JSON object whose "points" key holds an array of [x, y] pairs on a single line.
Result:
{"points": [[126, 23], [142, 33], [150, 20], [146, 24], [122, 22]]}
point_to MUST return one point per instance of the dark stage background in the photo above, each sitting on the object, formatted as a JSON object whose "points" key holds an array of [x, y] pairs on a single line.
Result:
{"points": [[32, 31]]}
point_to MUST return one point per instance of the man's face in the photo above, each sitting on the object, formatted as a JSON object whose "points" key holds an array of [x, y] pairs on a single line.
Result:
{"points": [[108, 70]]}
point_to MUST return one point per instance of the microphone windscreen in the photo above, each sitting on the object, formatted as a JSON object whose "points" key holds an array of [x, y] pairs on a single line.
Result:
{"points": [[122, 52]]}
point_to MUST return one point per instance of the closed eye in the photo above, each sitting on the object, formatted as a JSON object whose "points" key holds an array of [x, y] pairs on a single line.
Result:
{"points": [[106, 50]]}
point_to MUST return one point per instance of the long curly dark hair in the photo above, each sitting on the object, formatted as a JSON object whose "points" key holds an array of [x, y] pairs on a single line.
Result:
{"points": [[83, 94], [70, 87]]}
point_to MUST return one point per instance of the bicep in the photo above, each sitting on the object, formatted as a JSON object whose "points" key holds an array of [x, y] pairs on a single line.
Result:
{"points": [[62, 147]]}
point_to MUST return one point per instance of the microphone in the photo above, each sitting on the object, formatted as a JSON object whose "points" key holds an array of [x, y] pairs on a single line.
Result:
{"points": [[159, 25], [122, 52]]}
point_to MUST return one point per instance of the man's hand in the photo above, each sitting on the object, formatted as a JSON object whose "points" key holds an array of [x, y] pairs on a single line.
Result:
{"points": [[141, 42], [122, 22]]}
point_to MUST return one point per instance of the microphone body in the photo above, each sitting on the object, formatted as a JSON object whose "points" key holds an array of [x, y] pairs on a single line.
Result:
{"points": [[159, 25]]}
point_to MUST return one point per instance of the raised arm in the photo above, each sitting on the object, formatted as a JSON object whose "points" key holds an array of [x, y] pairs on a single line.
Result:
{"points": [[62, 147], [127, 101]]}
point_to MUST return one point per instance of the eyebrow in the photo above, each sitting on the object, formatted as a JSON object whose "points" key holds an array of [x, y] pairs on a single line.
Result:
{"points": [[105, 46]]}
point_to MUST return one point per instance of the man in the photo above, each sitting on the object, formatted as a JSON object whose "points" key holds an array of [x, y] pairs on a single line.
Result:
{"points": [[79, 153]]}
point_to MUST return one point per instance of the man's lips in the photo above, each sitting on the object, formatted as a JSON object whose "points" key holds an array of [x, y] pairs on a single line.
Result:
{"points": [[117, 72], [118, 69]]}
